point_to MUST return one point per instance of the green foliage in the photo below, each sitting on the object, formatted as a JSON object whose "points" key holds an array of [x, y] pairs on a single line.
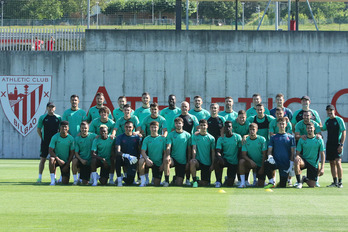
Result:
{"points": [[42, 9], [217, 10]]}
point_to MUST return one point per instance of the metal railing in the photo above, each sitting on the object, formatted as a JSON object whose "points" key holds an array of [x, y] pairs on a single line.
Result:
{"points": [[41, 39]]}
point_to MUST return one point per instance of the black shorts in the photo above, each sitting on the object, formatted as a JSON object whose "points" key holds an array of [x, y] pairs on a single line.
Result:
{"points": [[179, 169], [104, 171], [44, 149], [312, 172], [332, 153], [156, 173], [205, 171], [261, 176], [231, 169], [85, 170], [67, 173]]}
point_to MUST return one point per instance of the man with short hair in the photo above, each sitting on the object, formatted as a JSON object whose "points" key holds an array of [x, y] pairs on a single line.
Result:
{"points": [[307, 157], [61, 150], [154, 116], [178, 152], [198, 111], [336, 136], [203, 154], [170, 112], [241, 124], [298, 115], [47, 127], [127, 154], [152, 152], [74, 116], [253, 157], [118, 113], [143, 111], [83, 147], [227, 151], [215, 122], [273, 126], [253, 111], [190, 121], [228, 113], [93, 112], [103, 119], [301, 126], [280, 103], [120, 123], [101, 156]]}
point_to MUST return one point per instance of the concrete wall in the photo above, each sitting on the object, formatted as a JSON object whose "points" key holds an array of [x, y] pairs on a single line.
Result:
{"points": [[189, 63]]}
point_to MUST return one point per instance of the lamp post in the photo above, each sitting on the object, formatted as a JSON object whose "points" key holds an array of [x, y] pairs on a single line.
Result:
{"points": [[153, 13], [97, 13], [2, 13], [243, 15], [88, 14]]}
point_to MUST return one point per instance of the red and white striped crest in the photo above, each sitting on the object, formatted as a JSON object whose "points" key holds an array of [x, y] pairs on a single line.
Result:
{"points": [[24, 99]]}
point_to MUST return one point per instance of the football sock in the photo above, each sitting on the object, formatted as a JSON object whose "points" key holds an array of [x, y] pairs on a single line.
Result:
{"points": [[94, 177], [242, 179], [75, 177], [335, 180], [166, 178], [40, 176], [254, 175], [53, 179], [111, 176], [340, 180], [78, 175], [298, 178], [143, 179]]}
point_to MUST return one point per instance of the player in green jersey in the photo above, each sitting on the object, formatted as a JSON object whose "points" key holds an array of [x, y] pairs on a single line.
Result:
{"points": [[228, 113], [301, 126], [227, 150], [203, 155], [256, 100], [118, 113], [241, 125], [93, 112], [103, 119], [119, 125], [83, 146], [170, 112], [61, 150], [253, 157], [101, 156], [145, 127], [273, 126], [178, 152], [74, 116], [198, 111], [152, 152], [143, 111], [298, 115], [307, 157]]}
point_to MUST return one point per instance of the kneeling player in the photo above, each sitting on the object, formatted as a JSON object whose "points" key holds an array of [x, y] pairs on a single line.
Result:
{"points": [[253, 157], [227, 150], [311, 148], [178, 152], [281, 151], [61, 150], [101, 156], [203, 154], [152, 152], [83, 146]]}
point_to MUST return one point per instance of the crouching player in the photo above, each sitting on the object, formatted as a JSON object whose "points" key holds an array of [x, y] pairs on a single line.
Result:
{"points": [[253, 157], [83, 147], [281, 152], [61, 150], [178, 152], [101, 156], [310, 148], [203, 154], [227, 150], [152, 152]]}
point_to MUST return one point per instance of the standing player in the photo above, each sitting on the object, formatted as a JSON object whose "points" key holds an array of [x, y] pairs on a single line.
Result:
{"points": [[190, 121], [241, 125], [120, 123], [143, 111], [228, 113], [253, 111], [273, 126], [83, 148], [301, 126], [101, 156], [127, 154], [198, 111], [336, 131], [280, 103], [152, 152], [162, 127], [281, 150], [178, 152], [227, 151], [47, 127], [215, 122], [203, 154], [253, 157], [103, 119], [118, 113], [74, 116], [170, 112], [310, 148], [61, 150], [298, 115], [93, 112]]}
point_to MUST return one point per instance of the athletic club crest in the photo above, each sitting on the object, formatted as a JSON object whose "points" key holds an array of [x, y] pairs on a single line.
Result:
{"points": [[24, 99]]}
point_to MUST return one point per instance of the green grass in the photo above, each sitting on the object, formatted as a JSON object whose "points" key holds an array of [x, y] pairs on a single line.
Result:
{"points": [[26, 206]]}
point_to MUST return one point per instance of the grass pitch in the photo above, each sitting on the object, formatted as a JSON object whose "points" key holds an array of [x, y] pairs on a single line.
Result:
{"points": [[26, 206]]}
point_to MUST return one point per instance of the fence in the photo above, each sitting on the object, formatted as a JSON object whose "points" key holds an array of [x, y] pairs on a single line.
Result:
{"points": [[41, 39]]}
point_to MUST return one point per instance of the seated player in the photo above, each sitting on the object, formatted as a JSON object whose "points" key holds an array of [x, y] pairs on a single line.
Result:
{"points": [[310, 148], [61, 150], [154, 116], [203, 155], [178, 152], [273, 126], [227, 150], [152, 152]]}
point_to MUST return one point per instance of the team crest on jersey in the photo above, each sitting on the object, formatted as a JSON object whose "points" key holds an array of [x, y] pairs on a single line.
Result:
{"points": [[24, 99]]}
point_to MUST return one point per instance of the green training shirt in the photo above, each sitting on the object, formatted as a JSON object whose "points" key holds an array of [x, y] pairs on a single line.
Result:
{"points": [[119, 125], [311, 148], [96, 123], [62, 146], [142, 113], [117, 113], [154, 147], [145, 126], [202, 114], [170, 115], [204, 145], [229, 147], [301, 127], [273, 127], [93, 113], [83, 146], [240, 129], [179, 143], [229, 116], [254, 149], [252, 112], [74, 118], [103, 147]]}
